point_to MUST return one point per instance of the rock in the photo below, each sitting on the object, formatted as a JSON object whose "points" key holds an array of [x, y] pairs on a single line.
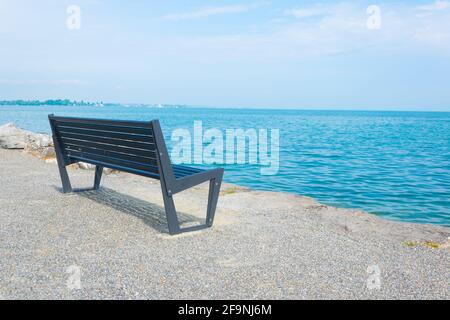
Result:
{"points": [[38, 141], [86, 166], [49, 152], [50, 160], [109, 171], [12, 137], [39, 145], [73, 166]]}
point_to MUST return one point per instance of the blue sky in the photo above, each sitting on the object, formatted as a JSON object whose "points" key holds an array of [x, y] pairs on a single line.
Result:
{"points": [[267, 54]]}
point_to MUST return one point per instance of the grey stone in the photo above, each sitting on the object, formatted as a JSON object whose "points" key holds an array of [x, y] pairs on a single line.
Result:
{"points": [[86, 166], [12, 137], [40, 145]]}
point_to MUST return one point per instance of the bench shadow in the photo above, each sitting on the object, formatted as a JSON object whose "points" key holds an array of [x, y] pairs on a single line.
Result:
{"points": [[153, 215]]}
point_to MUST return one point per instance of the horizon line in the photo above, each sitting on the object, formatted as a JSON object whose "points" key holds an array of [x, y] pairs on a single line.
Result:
{"points": [[201, 106]]}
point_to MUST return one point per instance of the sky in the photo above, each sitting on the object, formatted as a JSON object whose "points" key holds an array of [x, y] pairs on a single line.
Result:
{"points": [[366, 55]]}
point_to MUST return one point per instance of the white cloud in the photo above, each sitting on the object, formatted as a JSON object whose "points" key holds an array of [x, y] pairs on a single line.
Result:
{"points": [[63, 82], [436, 6], [205, 12], [327, 29], [306, 12], [211, 11]]}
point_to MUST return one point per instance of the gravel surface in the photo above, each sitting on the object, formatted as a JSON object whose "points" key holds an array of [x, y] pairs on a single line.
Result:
{"points": [[263, 245]]}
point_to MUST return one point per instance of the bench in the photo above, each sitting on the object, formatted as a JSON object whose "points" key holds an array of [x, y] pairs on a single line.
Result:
{"points": [[136, 147]]}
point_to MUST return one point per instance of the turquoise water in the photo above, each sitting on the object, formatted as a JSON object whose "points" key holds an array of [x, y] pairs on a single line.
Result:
{"points": [[393, 164]]}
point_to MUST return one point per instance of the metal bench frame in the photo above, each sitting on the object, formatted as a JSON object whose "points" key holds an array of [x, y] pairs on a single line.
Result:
{"points": [[161, 168]]}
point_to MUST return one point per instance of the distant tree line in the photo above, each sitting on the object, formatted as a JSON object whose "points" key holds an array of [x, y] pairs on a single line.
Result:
{"points": [[57, 102]]}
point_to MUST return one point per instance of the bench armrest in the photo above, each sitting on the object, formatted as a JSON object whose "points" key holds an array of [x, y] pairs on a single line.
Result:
{"points": [[196, 179]]}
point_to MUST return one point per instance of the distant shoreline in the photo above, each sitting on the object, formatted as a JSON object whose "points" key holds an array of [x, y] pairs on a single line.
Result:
{"points": [[82, 103], [51, 102], [71, 103]]}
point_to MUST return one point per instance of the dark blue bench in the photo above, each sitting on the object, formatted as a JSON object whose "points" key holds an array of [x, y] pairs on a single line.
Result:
{"points": [[135, 147]]}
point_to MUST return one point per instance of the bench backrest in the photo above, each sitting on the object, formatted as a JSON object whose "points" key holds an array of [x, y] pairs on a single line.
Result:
{"points": [[131, 146]]}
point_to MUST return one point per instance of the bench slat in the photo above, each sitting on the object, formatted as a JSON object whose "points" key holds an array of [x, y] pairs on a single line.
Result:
{"points": [[126, 123], [111, 154], [110, 165], [179, 171], [186, 170], [125, 150], [108, 127], [89, 157], [106, 134], [115, 142]]}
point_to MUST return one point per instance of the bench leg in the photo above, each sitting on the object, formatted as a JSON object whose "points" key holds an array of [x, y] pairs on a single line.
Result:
{"points": [[98, 177], [213, 197], [171, 213], [67, 187]]}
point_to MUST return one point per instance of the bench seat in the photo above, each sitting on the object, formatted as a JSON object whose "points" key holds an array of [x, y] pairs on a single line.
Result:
{"points": [[179, 171]]}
